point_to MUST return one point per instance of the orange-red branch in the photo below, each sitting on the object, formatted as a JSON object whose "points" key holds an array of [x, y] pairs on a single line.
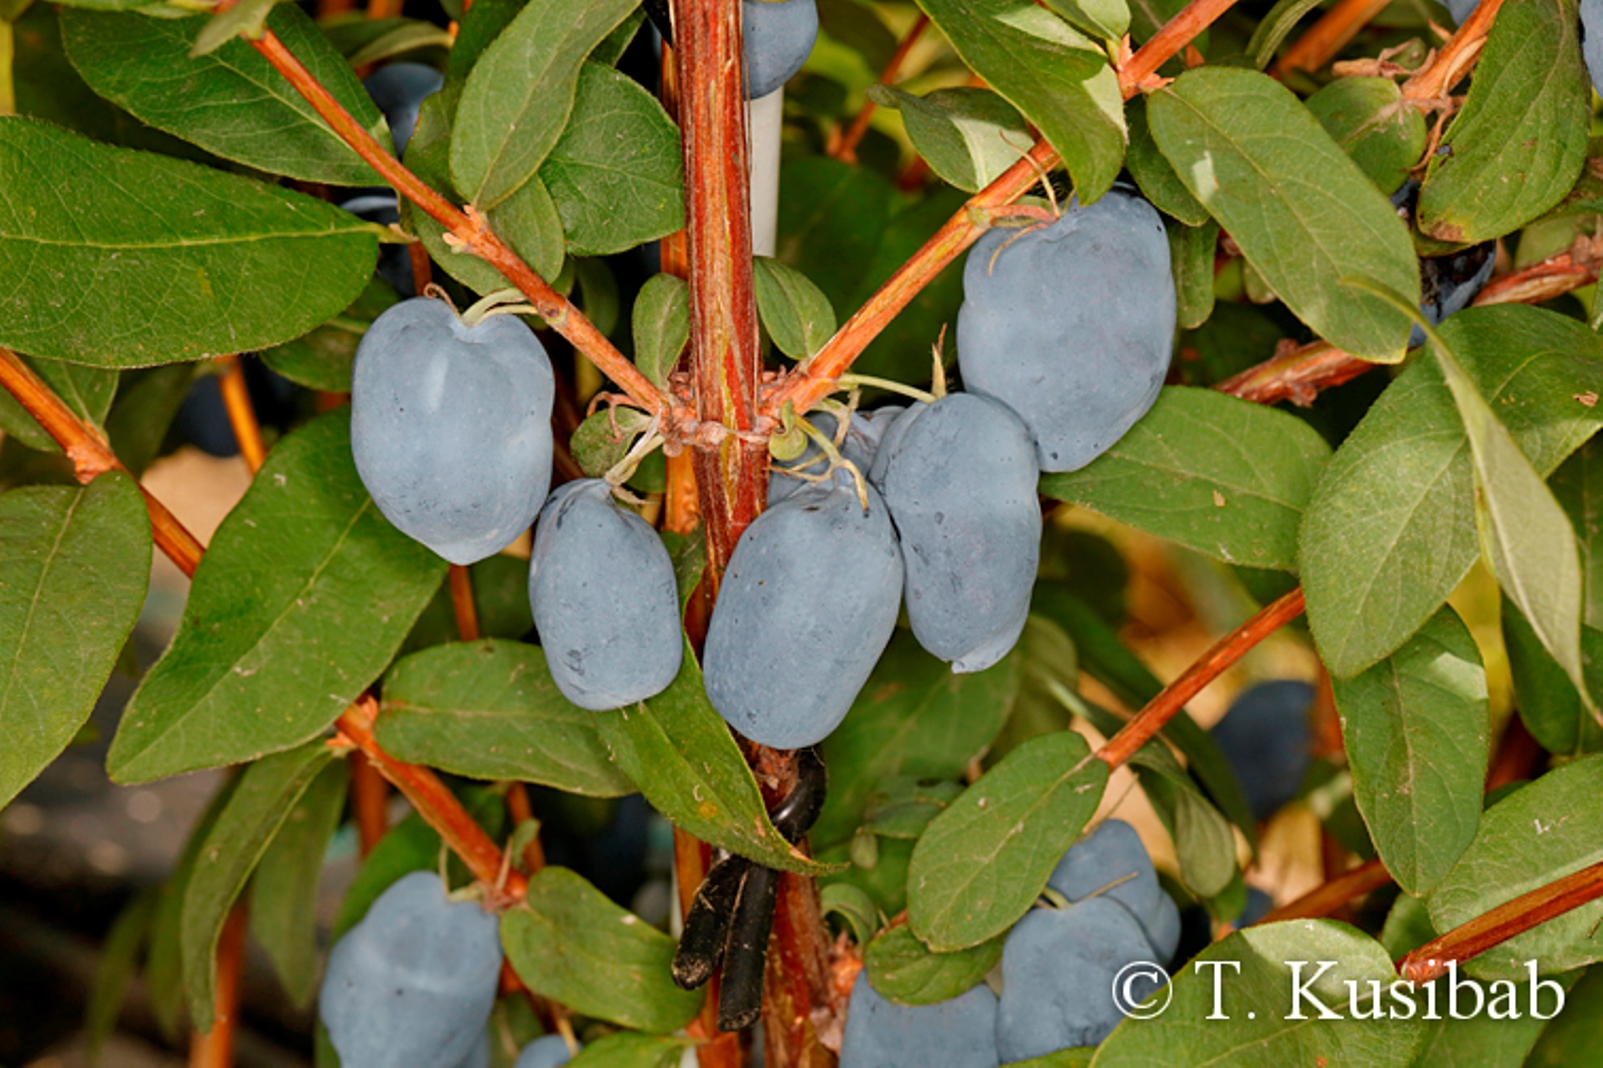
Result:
{"points": [[1329, 35], [241, 414], [91, 456], [469, 228], [433, 801], [1493, 928], [1325, 898], [467, 615], [1232, 647], [816, 379]]}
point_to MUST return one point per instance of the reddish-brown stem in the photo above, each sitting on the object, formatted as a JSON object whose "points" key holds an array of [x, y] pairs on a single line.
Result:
{"points": [[1324, 899], [215, 1048], [91, 455], [1552, 277], [467, 616], [241, 415], [1232, 647], [519, 809], [847, 149], [1456, 57], [1297, 374], [370, 796], [816, 379], [383, 9], [1507, 920], [469, 229], [432, 800], [1325, 38]]}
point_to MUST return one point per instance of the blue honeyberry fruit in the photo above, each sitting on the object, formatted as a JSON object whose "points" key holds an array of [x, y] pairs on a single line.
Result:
{"points": [[1462, 9], [1592, 40], [548, 1051], [1071, 325], [862, 439], [601, 585], [450, 426], [394, 262], [807, 605], [959, 477], [414, 982], [959, 1033], [1266, 737], [1108, 854], [479, 1055], [399, 90], [1058, 969], [779, 38]]}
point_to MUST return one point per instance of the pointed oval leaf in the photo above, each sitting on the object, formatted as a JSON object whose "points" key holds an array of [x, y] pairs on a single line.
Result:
{"points": [[631, 1049], [1539, 833], [74, 564], [1390, 530], [1519, 143], [678, 751], [908, 972], [661, 322], [796, 313], [617, 173], [123, 259], [489, 710], [1051, 72], [231, 101], [301, 601], [1370, 120], [268, 790], [1303, 213], [568, 942], [1548, 704], [1416, 731], [517, 99], [1219, 475], [968, 136], [986, 858]]}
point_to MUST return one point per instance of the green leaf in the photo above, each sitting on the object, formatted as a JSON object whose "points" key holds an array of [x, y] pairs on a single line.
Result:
{"points": [[1225, 477], [983, 861], [858, 26], [1519, 143], [904, 805], [323, 358], [74, 564], [1389, 532], [87, 391], [164, 968], [231, 102], [1534, 836], [1488, 1040], [247, 19], [1108, 19], [1156, 178], [1191, 251], [526, 219], [1548, 702], [1578, 485], [605, 437], [1253, 976], [1303, 213], [661, 322], [678, 751], [1204, 844], [907, 972], [631, 1049], [1571, 1038], [517, 99], [913, 717], [616, 173], [855, 908], [405, 35], [409, 846], [267, 791], [301, 601], [830, 218], [1054, 75], [283, 895], [478, 27], [500, 597], [1368, 117], [1273, 28], [146, 402], [1526, 538], [163, 260], [117, 963], [968, 136], [489, 710], [1416, 731], [795, 312], [569, 943]]}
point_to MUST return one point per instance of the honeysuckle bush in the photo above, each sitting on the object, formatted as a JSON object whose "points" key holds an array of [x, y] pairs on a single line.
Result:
{"points": [[168, 182]]}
